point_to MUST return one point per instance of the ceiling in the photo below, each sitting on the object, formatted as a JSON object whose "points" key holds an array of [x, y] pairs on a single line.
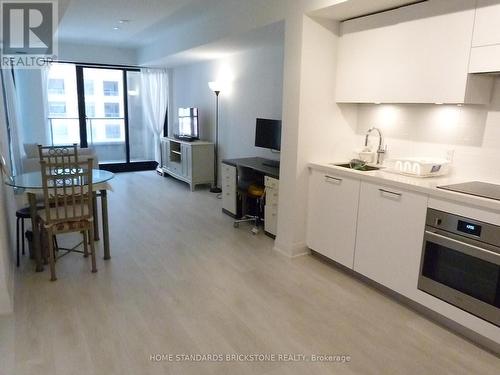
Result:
{"points": [[93, 21], [267, 36]]}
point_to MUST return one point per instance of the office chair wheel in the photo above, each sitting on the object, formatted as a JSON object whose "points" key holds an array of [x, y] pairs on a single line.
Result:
{"points": [[236, 225]]}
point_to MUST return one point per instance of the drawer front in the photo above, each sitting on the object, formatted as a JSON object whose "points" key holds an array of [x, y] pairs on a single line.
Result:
{"points": [[228, 175], [229, 201], [271, 183], [271, 219], [272, 197], [228, 181]]}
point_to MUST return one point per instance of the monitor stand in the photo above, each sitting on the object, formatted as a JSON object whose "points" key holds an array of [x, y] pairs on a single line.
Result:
{"points": [[271, 163]]}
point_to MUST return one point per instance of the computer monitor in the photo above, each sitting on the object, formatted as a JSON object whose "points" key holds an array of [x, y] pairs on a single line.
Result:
{"points": [[268, 134]]}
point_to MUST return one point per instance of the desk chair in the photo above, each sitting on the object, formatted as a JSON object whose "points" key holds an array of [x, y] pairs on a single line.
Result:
{"points": [[250, 186]]}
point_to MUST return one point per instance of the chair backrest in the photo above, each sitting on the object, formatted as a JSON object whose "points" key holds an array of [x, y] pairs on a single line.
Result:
{"points": [[4, 169], [67, 190], [60, 155]]}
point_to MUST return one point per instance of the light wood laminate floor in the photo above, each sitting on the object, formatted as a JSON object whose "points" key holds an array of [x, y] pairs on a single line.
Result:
{"points": [[183, 280]]}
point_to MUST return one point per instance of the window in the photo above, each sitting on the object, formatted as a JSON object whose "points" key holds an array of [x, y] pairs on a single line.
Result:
{"points": [[88, 87], [56, 86], [113, 131], [111, 110], [57, 109], [110, 88], [90, 109], [60, 131]]}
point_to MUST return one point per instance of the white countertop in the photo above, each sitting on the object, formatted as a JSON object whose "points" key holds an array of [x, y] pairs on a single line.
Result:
{"points": [[427, 185]]}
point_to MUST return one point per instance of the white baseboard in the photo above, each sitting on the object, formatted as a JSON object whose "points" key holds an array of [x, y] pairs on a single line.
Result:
{"points": [[293, 251]]}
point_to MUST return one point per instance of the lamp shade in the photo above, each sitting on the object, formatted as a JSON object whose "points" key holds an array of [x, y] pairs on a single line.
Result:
{"points": [[215, 86]]}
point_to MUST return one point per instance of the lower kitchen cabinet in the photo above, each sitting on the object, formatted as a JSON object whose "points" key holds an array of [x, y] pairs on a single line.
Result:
{"points": [[390, 232], [331, 224]]}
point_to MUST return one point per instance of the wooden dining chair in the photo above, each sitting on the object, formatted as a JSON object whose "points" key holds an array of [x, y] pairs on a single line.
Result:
{"points": [[61, 155], [67, 190]]}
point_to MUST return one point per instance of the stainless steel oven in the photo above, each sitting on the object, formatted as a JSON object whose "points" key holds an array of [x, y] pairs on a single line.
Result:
{"points": [[461, 264]]}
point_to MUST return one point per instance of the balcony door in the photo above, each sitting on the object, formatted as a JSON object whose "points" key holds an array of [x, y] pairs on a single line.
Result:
{"points": [[100, 107], [104, 104]]}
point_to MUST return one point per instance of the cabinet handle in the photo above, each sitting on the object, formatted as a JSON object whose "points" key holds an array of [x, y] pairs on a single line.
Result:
{"points": [[331, 179], [390, 194]]}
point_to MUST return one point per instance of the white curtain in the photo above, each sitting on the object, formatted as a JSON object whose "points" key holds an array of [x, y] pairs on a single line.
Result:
{"points": [[154, 84], [11, 103], [44, 71]]}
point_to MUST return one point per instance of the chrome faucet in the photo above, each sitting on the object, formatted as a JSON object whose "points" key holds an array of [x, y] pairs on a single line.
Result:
{"points": [[381, 149]]}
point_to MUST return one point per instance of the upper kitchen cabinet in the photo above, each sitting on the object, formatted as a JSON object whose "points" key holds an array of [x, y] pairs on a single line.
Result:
{"points": [[485, 54], [414, 54]]}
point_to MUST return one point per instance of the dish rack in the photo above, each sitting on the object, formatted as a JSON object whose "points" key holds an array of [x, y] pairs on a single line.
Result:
{"points": [[420, 167]]}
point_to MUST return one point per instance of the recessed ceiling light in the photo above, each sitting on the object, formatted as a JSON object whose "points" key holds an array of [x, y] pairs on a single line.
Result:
{"points": [[116, 28], [124, 21]]}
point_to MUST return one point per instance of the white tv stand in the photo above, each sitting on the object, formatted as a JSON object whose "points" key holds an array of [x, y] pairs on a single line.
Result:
{"points": [[191, 162]]}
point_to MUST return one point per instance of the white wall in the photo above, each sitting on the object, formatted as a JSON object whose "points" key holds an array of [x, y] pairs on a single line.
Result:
{"points": [[322, 130], [6, 237], [97, 54], [256, 91]]}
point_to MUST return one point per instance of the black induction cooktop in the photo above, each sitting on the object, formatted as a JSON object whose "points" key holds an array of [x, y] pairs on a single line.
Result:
{"points": [[477, 188]]}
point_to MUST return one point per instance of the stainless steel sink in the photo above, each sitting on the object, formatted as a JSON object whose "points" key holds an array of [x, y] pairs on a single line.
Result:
{"points": [[364, 168]]}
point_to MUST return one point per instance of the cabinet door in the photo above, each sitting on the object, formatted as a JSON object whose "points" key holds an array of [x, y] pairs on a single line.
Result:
{"points": [[389, 237], [332, 215], [186, 158], [486, 24], [414, 54]]}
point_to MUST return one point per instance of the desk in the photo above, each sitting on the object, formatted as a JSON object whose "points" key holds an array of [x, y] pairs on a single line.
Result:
{"points": [[257, 164], [31, 183], [231, 202]]}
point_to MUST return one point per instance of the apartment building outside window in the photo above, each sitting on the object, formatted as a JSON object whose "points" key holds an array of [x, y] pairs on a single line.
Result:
{"points": [[56, 86], [57, 109], [89, 87], [110, 88], [111, 109], [90, 109]]}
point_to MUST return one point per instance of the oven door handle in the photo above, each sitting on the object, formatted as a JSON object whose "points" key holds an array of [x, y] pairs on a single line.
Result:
{"points": [[465, 248]]}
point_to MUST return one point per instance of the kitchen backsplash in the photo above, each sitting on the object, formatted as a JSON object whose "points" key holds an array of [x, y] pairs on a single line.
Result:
{"points": [[473, 132]]}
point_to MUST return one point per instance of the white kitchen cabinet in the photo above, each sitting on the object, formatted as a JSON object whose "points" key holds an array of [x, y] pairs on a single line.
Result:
{"points": [[389, 236], [485, 53], [486, 24], [191, 162], [414, 54], [332, 215]]}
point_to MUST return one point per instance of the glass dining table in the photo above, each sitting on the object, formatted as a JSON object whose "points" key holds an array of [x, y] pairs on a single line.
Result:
{"points": [[31, 184]]}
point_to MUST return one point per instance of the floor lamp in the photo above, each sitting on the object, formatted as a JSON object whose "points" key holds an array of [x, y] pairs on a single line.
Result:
{"points": [[216, 88]]}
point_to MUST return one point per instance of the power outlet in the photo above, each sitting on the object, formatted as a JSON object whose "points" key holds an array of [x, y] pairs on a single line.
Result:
{"points": [[450, 154]]}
